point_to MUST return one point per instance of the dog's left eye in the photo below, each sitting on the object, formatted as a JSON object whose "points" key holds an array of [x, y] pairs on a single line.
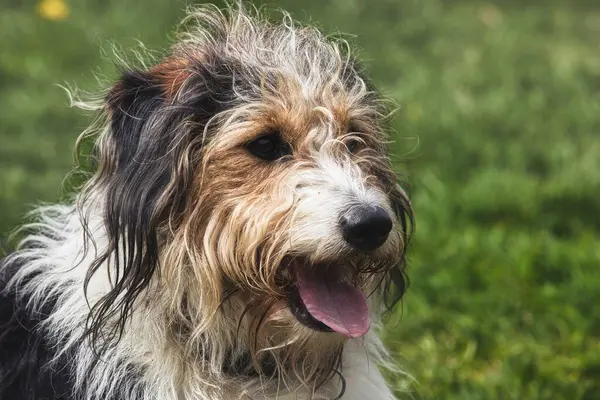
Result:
{"points": [[269, 147], [353, 145]]}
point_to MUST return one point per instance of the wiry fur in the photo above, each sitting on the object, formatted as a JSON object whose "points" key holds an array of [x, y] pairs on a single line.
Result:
{"points": [[165, 279]]}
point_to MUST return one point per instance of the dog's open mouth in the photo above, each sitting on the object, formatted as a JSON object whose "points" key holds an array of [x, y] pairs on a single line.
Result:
{"points": [[324, 299]]}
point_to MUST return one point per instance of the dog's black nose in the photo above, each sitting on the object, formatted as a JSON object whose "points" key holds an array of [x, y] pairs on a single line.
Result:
{"points": [[366, 227]]}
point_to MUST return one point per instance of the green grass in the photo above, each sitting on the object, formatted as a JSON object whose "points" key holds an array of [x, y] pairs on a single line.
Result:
{"points": [[499, 130]]}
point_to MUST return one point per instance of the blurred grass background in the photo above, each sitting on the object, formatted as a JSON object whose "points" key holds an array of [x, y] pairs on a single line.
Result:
{"points": [[499, 129]]}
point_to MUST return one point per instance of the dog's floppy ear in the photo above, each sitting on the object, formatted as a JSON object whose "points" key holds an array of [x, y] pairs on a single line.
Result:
{"points": [[144, 176], [137, 168], [397, 280]]}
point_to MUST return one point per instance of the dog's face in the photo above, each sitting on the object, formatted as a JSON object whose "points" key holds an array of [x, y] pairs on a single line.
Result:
{"points": [[249, 172], [299, 201]]}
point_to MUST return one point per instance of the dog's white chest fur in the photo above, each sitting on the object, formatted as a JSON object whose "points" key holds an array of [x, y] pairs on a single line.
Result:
{"points": [[363, 381]]}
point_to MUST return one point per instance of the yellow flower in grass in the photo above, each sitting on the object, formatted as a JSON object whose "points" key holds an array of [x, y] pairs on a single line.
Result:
{"points": [[55, 10]]}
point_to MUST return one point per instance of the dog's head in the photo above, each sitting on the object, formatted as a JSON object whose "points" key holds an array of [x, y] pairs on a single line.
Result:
{"points": [[248, 187]]}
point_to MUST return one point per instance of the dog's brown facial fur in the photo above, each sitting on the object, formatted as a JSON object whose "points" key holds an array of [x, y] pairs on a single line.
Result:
{"points": [[194, 213]]}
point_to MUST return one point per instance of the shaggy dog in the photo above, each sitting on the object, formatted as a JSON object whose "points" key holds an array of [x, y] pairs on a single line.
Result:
{"points": [[240, 238]]}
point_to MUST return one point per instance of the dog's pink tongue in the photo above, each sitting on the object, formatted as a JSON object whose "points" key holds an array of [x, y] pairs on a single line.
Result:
{"points": [[339, 305]]}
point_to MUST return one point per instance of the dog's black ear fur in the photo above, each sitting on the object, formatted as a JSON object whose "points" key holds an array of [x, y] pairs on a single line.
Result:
{"points": [[133, 175], [154, 120], [397, 281], [130, 103]]}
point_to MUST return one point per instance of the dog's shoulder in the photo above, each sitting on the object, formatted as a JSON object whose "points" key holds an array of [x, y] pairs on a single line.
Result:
{"points": [[25, 354]]}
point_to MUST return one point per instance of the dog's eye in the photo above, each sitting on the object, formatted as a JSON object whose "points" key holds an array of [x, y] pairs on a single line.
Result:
{"points": [[353, 145], [353, 141], [269, 147]]}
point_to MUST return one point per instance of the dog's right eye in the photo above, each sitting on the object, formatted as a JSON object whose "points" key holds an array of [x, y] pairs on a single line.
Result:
{"points": [[269, 147]]}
